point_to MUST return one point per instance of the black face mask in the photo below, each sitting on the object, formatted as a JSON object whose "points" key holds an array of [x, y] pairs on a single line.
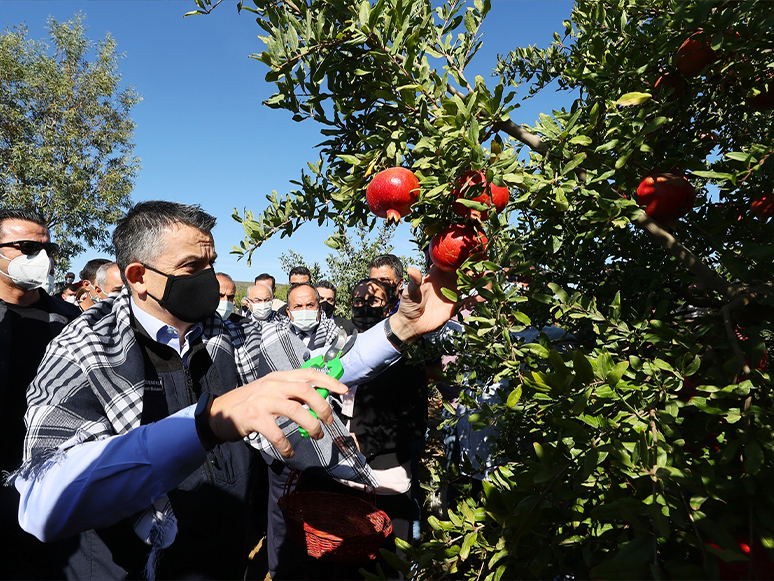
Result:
{"points": [[367, 316], [327, 308], [191, 298]]}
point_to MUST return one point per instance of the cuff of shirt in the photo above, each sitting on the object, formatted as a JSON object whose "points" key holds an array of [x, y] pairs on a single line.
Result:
{"points": [[372, 353]]}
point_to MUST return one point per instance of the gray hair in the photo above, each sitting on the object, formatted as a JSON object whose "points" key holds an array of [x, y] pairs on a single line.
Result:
{"points": [[138, 236], [100, 279]]}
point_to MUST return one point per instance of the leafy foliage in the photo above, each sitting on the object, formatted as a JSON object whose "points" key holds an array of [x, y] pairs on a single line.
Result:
{"points": [[645, 449], [66, 147]]}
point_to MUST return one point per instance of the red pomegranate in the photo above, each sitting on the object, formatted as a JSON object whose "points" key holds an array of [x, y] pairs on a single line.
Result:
{"points": [[453, 246], [763, 205], [694, 55], [670, 81], [392, 192], [666, 196], [472, 182], [763, 101]]}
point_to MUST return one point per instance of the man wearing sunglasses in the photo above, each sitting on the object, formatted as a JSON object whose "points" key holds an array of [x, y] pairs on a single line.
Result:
{"points": [[29, 319], [138, 412]]}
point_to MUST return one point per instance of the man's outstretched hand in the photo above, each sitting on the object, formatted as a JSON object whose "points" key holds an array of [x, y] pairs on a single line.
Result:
{"points": [[423, 308], [256, 406]]}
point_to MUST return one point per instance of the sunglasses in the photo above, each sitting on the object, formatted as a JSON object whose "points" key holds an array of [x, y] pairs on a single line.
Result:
{"points": [[32, 247]]}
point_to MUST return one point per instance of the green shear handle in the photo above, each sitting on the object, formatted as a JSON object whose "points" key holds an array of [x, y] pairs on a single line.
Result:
{"points": [[334, 368]]}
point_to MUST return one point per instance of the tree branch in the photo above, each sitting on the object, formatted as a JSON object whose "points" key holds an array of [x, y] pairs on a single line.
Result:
{"points": [[711, 279]]}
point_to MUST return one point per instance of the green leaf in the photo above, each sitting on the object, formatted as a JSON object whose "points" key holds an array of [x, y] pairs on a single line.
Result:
{"points": [[563, 297], [449, 294], [581, 140], [616, 373], [582, 367], [753, 457], [467, 544], [575, 162], [536, 349], [635, 98], [514, 397]]}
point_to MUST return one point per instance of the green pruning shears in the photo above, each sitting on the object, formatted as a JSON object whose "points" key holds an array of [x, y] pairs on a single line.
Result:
{"points": [[330, 364]]}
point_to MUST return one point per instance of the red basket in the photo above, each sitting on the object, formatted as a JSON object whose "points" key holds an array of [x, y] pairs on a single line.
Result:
{"points": [[334, 527]]}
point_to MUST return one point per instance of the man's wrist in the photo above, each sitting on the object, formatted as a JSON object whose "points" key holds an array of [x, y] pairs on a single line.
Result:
{"points": [[399, 334], [202, 418]]}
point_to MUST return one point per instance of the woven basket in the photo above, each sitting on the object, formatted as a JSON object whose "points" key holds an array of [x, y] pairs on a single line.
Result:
{"points": [[334, 527]]}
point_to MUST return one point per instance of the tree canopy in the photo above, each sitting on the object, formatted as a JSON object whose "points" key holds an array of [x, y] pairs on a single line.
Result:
{"points": [[65, 133], [644, 447]]}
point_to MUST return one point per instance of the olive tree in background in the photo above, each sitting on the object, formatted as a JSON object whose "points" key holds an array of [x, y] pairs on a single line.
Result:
{"points": [[65, 133], [645, 449]]}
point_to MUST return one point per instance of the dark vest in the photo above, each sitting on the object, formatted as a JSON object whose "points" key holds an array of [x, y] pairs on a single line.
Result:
{"points": [[211, 505], [391, 411]]}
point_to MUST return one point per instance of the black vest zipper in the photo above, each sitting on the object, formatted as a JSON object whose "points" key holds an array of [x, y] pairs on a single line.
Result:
{"points": [[192, 400]]}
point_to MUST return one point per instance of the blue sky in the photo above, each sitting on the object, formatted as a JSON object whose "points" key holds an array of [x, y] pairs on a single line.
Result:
{"points": [[203, 135]]}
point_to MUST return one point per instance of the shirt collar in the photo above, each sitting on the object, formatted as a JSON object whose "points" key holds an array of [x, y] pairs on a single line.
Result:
{"points": [[160, 331]]}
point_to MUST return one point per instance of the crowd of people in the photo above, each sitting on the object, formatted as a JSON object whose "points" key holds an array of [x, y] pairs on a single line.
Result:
{"points": [[140, 405]]}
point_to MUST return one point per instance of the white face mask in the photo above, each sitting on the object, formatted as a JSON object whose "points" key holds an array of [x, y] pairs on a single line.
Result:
{"points": [[70, 299], [304, 320], [29, 272], [261, 310], [113, 295], [225, 308]]}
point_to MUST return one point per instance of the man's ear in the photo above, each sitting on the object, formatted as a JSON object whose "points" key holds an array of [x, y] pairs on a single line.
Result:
{"points": [[135, 276]]}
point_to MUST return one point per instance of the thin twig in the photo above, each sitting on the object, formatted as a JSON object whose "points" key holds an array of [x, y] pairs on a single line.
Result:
{"points": [[731, 331]]}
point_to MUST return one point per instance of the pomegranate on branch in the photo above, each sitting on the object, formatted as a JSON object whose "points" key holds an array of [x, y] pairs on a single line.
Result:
{"points": [[472, 182], [392, 192], [453, 246], [666, 197]]}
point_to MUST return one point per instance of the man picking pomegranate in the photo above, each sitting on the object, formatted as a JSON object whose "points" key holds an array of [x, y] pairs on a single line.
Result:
{"points": [[138, 411]]}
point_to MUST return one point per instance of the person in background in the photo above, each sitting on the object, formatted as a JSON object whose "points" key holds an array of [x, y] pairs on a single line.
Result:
{"points": [[227, 293], [297, 275], [259, 300], [29, 320], [70, 278], [385, 415], [304, 313], [327, 293], [68, 293], [83, 299], [389, 269], [89, 277], [107, 281], [267, 279]]}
